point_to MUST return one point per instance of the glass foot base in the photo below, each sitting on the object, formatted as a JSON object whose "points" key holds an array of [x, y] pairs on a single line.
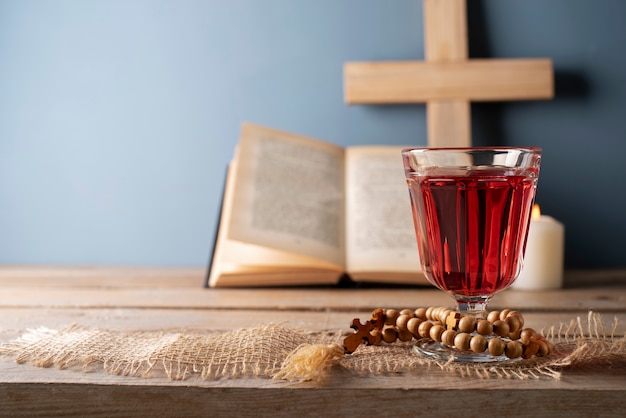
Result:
{"points": [[438, 351]]}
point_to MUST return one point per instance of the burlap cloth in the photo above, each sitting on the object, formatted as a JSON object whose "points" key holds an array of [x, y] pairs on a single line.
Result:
{"points": [[280, 352]]}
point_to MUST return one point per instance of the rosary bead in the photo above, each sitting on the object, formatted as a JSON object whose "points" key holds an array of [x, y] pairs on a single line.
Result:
{"points": [[526, 335], [530, 350], [462, 341], [493, 316], [478, 343], [390, 335], [413, 326], [501, 328], [424, 329], [429, 313], [513, 349], [515, 335], [514, 323], [436, 331], [519, 317], [432, 315], [443, 315], [435, 313], [496, 347], [504, 313], [408, 312], [421, 313], [484, 327], [549, 347], [447, 337], [390, 316], [467, 324], [402, 321], [405, 335]]}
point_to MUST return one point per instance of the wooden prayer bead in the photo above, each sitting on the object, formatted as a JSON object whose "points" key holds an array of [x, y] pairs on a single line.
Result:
{"points": [[515, 335], [390, 316], [514, 323], [436, 331], [550, 347], [501, 328], [443, 315], [496, 347], [435, 313], [462, 341], [493, 316], [408, 312], [478, 343], [390, 335], [526, 335], [530, 350], [467, 324], [420, 313], [429, 313], [513, 349], [405, 335], [402, 321], [424, 329], [447, 337], [484, 327], [504, 313], [413, 326], [519, 317]]}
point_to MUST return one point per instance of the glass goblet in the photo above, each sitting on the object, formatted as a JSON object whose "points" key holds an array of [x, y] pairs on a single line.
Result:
{"points": [[471, 209]]}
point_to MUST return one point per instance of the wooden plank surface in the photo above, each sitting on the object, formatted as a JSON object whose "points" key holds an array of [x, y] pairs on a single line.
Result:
{"points": [[346, 300], [173, 300]]}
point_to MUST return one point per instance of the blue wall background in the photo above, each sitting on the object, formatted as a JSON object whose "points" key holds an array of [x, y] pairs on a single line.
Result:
{"points": [[118, 118]]}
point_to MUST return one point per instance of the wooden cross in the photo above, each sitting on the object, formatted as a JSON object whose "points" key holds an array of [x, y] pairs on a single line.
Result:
{"points": [[447, 81]]}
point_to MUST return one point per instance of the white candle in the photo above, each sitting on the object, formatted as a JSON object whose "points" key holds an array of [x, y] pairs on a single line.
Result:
{"points": [[543, 262]]}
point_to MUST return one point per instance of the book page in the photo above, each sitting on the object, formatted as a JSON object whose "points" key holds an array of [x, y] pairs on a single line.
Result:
{"points": [[380, 235], [236, 263], [289, 194]]}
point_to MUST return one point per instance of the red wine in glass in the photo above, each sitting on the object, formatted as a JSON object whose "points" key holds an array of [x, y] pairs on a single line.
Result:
{"points": [[476, 229]]}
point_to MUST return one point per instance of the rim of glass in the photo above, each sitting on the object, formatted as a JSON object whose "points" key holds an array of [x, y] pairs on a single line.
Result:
{"points": [[483, 148]]}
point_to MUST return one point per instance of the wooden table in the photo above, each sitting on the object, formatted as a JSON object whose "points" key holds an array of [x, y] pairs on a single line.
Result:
{"points": [[174, 299]]}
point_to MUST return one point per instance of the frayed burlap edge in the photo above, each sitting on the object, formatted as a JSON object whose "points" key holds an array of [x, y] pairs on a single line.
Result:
{"points": [[257, 351], [276, 351]]}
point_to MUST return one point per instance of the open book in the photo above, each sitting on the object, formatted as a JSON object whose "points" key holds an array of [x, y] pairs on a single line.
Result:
{"points": [[300, 211]]}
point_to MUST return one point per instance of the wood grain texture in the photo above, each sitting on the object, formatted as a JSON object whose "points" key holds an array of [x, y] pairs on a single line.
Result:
{"points": [[449, 123], [148, 400], [473, 80], [445, 30], [128, 299]]}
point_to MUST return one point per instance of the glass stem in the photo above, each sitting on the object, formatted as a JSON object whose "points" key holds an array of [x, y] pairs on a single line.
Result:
{"points": [[472, 306]]}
